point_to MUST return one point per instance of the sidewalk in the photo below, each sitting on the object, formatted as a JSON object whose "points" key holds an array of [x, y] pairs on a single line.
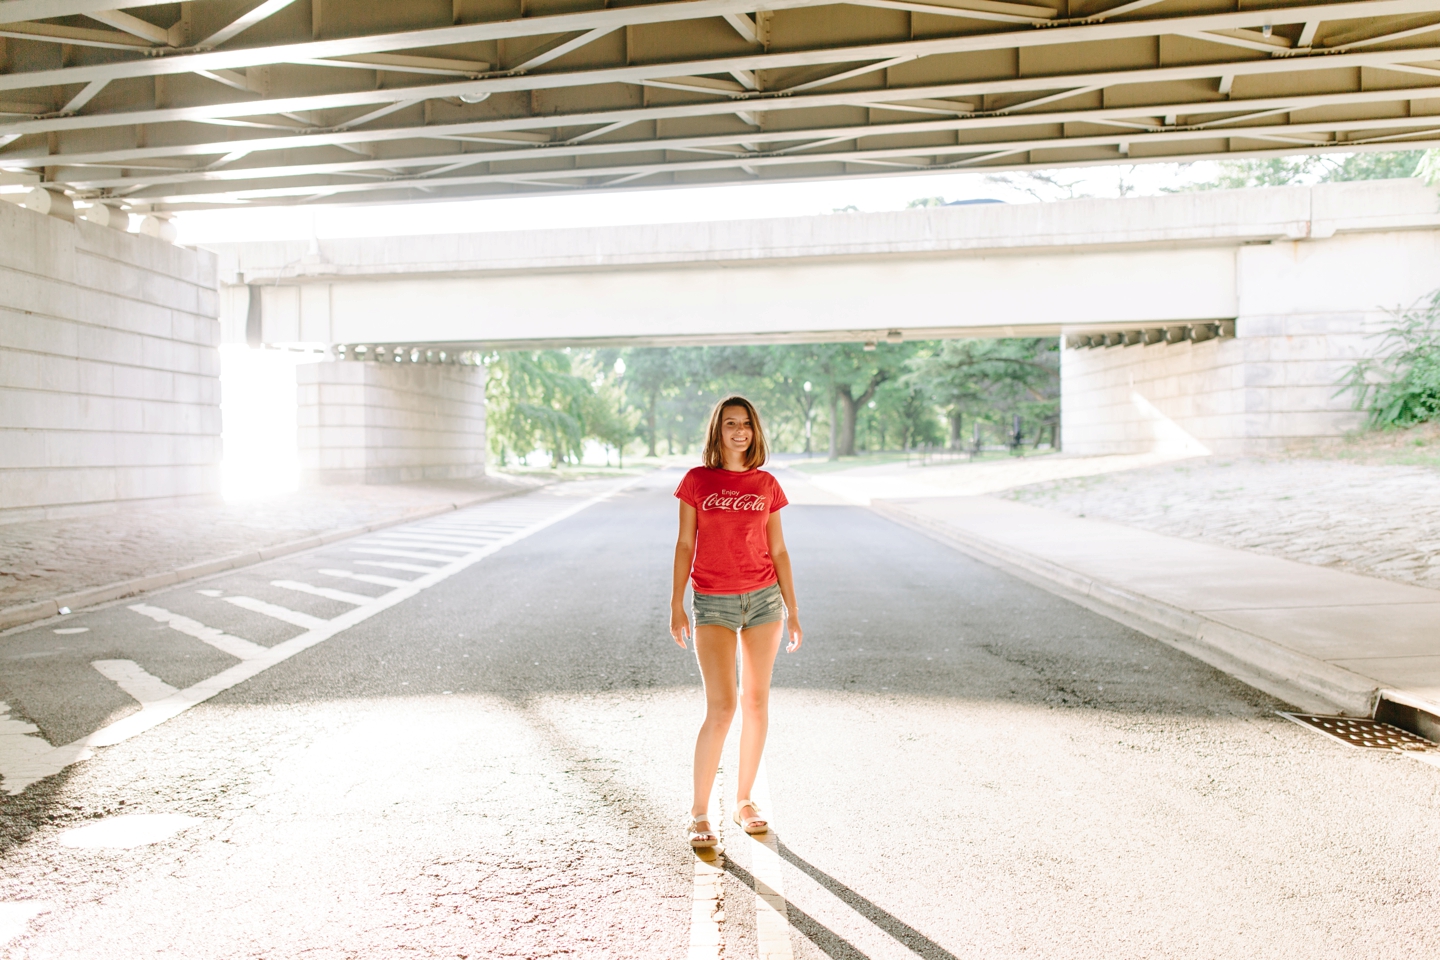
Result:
{"points": [[75, 562], [1322, 639]]}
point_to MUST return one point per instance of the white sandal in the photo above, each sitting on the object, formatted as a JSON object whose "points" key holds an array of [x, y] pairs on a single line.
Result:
{"points": [[702, 839], [751, 825]]}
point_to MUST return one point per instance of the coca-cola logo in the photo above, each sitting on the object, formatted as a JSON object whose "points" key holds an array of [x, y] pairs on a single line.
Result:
{"points": [[733, 500]]}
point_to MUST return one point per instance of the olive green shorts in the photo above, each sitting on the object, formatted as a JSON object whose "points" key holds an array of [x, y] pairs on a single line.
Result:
{"points": [[739, 611]]}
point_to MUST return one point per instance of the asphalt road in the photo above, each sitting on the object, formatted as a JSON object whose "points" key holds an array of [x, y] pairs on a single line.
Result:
{"points": [[496, 765]]}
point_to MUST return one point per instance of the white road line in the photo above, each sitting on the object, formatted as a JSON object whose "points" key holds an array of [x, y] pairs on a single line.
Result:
{"points": [[446, 540], [412, 567], [278, 612], [412, 554], [237, 647], [707, 908], [366, 578], [24, 769], [326, 592], [772, 917], [707, 900], [406, 543], [134, 680]]}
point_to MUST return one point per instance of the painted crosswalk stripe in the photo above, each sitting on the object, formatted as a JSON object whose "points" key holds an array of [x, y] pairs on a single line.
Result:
{"points": [[392, 565], [327, 592], [409, 544], [411, 554], [366, 578], [446, 540], [237, 647], [278, 612], [22, 769], [134, 680]]}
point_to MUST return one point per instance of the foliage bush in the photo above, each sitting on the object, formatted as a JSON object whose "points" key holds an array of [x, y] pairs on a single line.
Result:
{"points": [[1401, 386]]}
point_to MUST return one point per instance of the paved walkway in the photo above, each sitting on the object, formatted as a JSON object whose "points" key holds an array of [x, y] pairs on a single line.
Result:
{"points": [[1310, 579], [49, 563], [1315, 637]]}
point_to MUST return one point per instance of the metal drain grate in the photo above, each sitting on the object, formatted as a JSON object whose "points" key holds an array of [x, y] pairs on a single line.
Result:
{"points": [[1357, 732]]}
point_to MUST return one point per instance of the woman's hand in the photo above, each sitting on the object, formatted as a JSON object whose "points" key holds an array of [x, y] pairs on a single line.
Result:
{"points": [[679, 626], [797, 635]]}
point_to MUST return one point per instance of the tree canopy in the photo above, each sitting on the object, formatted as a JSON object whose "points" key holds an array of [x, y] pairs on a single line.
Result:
{"points": [[838, 397]]}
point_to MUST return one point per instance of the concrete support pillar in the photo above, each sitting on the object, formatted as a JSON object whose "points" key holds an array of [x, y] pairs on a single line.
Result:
{"points": [[1307, 311], [388, 422]]}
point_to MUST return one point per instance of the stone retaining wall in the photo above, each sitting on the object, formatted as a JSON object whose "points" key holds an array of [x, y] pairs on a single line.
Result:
{"points": [[109, 372]]}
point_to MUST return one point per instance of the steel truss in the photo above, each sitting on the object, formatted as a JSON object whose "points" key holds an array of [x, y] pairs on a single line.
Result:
{"points": [[302, 101]]}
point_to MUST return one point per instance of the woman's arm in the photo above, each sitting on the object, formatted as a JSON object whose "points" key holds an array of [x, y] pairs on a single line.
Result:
{"points": [[781, 558], [684, 558]]}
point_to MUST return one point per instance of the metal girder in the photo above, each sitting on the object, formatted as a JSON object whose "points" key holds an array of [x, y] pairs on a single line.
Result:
{"points": [[1421, 136], [700, 91], [690, 10], [662, 75], [655, 77], [240, 24], [16, 10]]}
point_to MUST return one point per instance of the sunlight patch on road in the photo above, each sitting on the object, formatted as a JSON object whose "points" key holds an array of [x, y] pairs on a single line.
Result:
{"points": [[130, 830]]}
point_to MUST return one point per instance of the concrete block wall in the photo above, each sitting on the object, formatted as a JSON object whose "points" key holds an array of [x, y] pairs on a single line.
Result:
{"points": [[109, 369], [374, 422], [1307, 310]]}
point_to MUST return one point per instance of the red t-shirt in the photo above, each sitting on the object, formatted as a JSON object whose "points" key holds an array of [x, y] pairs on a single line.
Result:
{"points": [[732, 551]]}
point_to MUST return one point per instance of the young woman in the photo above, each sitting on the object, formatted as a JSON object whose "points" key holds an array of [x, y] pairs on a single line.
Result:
{"points": [[732, 551]]}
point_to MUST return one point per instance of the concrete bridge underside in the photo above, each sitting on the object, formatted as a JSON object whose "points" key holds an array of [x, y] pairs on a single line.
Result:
{"points": [[986, 270], [1242, 308], [159, 107]]}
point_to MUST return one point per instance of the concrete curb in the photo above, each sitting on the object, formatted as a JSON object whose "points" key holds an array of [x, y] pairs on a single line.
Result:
{"points": [[1296, 678], [22, 614]]}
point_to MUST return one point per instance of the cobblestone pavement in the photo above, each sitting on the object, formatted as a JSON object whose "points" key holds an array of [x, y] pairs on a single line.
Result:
{"points": [[41, 559], [1383, 521]]}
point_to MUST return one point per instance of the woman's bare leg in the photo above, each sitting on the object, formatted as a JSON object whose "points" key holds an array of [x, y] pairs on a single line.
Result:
{"points": [[758, 647], [715, 651]]}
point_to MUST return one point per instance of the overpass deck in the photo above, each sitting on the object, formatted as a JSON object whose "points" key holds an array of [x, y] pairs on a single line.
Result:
{"points": [[984, 270]]}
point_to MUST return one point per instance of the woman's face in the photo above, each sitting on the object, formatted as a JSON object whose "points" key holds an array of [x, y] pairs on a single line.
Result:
{"points": [[736, 430]]}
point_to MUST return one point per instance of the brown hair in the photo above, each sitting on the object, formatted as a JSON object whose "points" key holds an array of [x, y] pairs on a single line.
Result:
{"points": [[755, 454]]}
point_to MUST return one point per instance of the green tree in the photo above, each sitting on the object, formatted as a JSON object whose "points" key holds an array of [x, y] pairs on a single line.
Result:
{"points": [[534, 401], [991, 379], [608, 417], [1332, 168], [650, 375], [851, 375]]}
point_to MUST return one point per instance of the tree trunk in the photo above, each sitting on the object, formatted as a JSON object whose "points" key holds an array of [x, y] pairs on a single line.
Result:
{"points": [[650, 423], [834, 424], [847, 405], [955, 428]]}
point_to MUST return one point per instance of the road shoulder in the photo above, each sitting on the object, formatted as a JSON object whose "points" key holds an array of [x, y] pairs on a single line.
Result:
{"points": [[1317, 638]]}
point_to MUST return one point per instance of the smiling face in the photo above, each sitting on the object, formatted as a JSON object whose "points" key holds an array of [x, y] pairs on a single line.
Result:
{"points": [[736, 432]]}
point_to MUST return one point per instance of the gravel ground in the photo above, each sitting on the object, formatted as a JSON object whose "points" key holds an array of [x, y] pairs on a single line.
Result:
{"points": [[1382, 520]]}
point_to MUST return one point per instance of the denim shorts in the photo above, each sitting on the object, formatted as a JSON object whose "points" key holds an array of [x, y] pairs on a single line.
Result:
{"points": [[739, 611]]}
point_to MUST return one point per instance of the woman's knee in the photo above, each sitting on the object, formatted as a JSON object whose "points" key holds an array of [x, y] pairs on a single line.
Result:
{"points": [[755, 703], [720, 709]]}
